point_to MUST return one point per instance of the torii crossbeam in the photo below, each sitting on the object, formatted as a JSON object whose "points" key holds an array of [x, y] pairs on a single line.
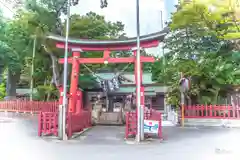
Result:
{"points": [[79, 45]]}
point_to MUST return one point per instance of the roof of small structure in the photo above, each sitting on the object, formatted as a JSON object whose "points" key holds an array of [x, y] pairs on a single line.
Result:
{"points": [[129, 86], [146, 77]]}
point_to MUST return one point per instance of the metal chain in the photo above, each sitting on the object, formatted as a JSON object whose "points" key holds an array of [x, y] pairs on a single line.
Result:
{"points": [[124, 69], [91, 71]]}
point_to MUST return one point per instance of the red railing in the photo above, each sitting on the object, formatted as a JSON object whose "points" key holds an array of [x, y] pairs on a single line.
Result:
{"points": [[78, 122], [131, 122], [48, 123], [48, 113], [212, 112], [48, 116], [28, 106]]}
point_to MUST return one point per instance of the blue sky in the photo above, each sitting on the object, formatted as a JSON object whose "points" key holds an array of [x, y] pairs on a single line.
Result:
{"points": [[169, 7], [124, 10]]}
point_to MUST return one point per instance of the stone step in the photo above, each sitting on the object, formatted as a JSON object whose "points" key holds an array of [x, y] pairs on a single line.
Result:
{"points": [[203, 122], [212, 122]]}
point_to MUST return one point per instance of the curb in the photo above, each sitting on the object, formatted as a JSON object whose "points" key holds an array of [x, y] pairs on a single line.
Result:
{"points": [[78, 134], [145, 142], [19, 112]]}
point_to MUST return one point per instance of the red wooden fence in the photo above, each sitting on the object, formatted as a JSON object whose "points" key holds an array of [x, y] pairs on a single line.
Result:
{"points": [[28, 106], [212, 112], [131, 122], [48, 116], [78, 122], [48, 123], [47, 112]]}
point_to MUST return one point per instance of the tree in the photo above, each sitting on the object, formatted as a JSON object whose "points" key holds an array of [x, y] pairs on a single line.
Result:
{"points": [[3, 46], [49, 13], [36, 20], [18, 37], [44, 17], [9, 56], [199, 48]]}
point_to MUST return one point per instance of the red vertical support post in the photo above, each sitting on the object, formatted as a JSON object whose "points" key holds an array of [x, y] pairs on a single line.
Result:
{"points": [[136, 80], [74, 82], [106, 54], [40, 120], [142, 96], [135, 76], [79, 102], [127, 125], [60, 97], [135, 68], [160, 127], [138, 69]]}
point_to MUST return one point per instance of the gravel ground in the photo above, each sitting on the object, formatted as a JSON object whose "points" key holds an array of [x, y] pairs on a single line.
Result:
{"points": [[19, 141]]}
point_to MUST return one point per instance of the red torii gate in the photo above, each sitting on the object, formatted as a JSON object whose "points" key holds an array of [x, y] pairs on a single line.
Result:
{"points": [[79, 45], [76, 61]]}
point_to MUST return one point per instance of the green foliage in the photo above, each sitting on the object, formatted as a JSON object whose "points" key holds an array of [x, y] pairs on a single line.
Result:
{"points": [[45, 93], [198, 47], [40, 17], [9, 57], [2, 91], [16, 40], [94, 26]]}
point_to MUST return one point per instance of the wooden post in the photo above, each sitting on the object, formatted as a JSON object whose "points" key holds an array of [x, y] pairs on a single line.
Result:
{"points": [[74, 82], [182, 104], [140, 111], [182, 108], [135, 75], [79, 102]]}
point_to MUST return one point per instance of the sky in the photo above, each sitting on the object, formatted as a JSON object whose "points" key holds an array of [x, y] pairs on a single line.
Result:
{"points": [[125, 11]]}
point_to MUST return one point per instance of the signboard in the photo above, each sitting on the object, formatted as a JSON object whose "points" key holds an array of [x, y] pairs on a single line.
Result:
{"points": [[151, 126]]}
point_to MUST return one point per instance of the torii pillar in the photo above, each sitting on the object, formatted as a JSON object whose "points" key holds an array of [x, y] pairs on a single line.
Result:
{"points": [[142, 100], [75, 93]]}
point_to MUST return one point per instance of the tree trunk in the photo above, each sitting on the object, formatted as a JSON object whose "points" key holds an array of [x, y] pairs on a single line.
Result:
{"points": [[12, 80], [56, 71], [45, 82], [215, 100], [49, 94]]}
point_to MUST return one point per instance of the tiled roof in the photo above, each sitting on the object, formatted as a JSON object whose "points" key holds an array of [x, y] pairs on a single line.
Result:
{"points": [[131, 89], [147, 79]]}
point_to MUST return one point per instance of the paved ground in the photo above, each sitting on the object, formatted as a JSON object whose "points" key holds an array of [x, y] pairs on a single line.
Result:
{"points": [[19, 141]]}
